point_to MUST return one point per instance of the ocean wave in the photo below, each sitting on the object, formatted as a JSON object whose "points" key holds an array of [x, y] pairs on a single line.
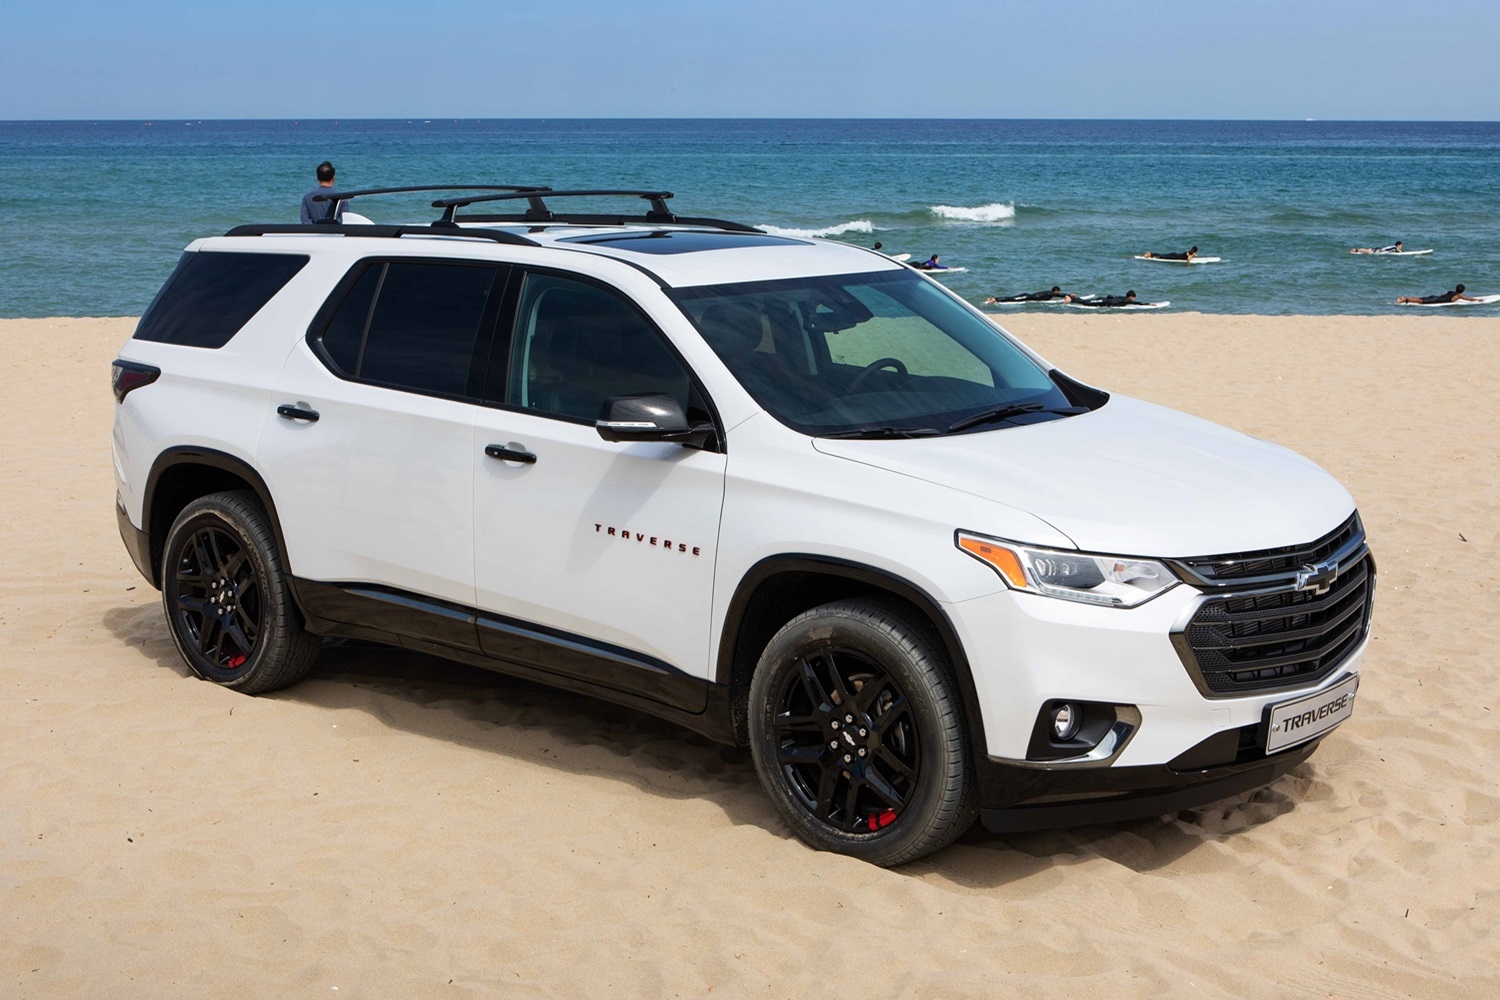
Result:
{"points": [[999, 211], [857, 226]]}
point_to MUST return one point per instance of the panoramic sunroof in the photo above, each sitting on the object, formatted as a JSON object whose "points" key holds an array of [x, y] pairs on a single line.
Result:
{"points": [[682, 241]]}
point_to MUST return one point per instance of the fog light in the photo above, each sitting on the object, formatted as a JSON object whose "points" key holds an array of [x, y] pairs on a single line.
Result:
{"points": [[1065, 721]]}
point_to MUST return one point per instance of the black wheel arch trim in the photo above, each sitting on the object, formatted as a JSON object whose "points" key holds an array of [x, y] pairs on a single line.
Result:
{"points": [[864, 575], [224, 462]]}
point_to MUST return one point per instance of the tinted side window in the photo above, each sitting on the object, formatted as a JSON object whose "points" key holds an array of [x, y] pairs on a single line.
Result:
{"points": [[344, 337], [212, 295], [576, 345], [425, 325]]}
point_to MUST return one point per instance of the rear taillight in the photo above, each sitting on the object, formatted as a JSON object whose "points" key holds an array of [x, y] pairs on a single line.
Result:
{"points": [[127, 375]]}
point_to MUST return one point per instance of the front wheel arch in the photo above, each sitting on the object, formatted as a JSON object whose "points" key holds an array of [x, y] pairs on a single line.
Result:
{"points": [[778, 588]]}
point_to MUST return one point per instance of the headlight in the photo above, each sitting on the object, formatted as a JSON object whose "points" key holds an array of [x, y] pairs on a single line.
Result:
{"points": [[1113, 581]]}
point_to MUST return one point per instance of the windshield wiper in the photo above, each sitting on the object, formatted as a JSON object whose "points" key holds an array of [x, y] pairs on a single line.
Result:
{"points": [[884, 432], [1010, 410]]}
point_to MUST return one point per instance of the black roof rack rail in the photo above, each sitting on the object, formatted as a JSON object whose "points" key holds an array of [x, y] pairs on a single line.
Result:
{"points": [[339, 229], [538, 212], [339, 197]]}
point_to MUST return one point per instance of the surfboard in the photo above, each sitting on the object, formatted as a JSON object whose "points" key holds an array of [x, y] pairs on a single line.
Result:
{"points": [[1169, 260], [899, 256], [1047, 302], [1392, 253], [1135, 307], [936, 271], [1478, 300]]}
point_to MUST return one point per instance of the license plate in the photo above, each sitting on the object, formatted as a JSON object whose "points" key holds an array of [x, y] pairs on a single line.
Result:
{"points": [[1306, 718]]}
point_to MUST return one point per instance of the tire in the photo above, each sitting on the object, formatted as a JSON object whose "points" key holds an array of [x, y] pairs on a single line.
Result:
{"points": [[858, 734], [225, 594]]}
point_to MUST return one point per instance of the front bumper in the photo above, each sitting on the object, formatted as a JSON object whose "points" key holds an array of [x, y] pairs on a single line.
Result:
{"points": [[1015, 798]]}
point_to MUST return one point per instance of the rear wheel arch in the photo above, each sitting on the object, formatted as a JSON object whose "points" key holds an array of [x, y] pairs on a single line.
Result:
{"points": [[778, 588], [183, 474]]}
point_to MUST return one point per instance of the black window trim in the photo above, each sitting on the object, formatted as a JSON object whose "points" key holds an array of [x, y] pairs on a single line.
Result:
{"points": [[484, 340], [504, 340]]}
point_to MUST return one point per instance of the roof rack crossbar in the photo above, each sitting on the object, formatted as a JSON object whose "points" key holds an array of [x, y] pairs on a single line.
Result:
{"points": [[383, 232], [566, 218], [339, 197], [539, 212]]}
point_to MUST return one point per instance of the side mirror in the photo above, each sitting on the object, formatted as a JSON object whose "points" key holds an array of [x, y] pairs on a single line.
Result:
{"points": [[651, 417]]}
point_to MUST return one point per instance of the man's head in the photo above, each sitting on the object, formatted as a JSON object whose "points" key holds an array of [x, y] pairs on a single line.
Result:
{"points": [[879, 245], [1459, 289], [1192, 250], [1130, 295], [1398, 244], [1055, 289], [325, 172]]}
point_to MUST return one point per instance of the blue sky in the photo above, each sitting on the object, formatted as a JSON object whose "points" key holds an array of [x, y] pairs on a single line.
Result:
{"points": [[1388, 59]]}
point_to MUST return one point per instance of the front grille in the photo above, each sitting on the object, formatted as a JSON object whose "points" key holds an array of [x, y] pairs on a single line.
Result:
{"points": [[1263, 633], [1242, 566]]}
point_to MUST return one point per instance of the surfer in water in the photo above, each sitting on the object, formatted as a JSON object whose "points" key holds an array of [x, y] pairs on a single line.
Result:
{"points": [[1393, 248], [1052, 293], [1107, 301], [931, 264], [1433, 300], [1187, 254]]}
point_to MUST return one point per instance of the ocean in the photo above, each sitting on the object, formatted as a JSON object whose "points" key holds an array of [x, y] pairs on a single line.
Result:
{"points": [[98, 211]]}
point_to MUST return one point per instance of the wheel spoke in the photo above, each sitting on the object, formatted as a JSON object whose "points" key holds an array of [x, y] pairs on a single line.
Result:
{"points": [[877, 784], [216, 547], [851, 805], [245, 625], [800, 756], [208, 632], [840, 690], [193, 605], [789, 723], [894, 712], [234, 564], [813, 685], [870, 692], [207, 567], [236, 635], [827, 784], [885, 756]]}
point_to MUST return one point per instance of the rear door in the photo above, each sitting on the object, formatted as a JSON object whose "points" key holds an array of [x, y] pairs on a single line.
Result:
{"points": [[367, 447], [593, 559]]}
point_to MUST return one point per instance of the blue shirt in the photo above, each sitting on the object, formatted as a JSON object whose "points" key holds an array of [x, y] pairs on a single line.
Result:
{"points": [[312, 211]]}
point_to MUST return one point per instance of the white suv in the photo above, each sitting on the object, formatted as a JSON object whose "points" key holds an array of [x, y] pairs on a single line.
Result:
{"points": [[784, 492]]}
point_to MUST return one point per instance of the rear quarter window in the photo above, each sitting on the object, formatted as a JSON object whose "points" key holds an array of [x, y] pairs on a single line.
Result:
{"points": [[212, 295]]}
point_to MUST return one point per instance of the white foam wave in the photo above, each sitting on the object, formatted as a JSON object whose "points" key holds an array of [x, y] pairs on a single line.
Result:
{"points": [[857, 226], [999, 211]]}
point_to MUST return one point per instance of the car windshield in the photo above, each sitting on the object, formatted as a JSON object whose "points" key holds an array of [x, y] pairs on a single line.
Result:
{"points": [[885, 354]]}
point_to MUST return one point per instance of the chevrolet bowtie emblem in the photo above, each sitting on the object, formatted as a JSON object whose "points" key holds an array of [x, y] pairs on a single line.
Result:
{"points": [[1317, 578]]}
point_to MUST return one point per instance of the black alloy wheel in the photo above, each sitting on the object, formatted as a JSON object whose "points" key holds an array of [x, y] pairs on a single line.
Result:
{"points": [[218, 598], [227, 600], [858, 734], [846, 740]]}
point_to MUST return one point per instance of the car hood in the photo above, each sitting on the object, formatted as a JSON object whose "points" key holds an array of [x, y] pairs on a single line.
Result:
{"points": [[1130, 478]]}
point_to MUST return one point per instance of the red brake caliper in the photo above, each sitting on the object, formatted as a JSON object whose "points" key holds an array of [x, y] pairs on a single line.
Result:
{"points": [[880, 821]]}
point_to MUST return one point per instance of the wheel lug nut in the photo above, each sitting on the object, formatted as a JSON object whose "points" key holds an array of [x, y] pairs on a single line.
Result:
{"points": [[833, 744], [835, 723], [848, 759], [864, 732], [861, 751], [848, 718]]}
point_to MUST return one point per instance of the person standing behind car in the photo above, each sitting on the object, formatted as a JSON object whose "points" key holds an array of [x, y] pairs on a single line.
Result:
{"points": [[314, 211]]}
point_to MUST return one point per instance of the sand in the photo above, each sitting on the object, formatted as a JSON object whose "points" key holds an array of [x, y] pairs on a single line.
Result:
{"points": [[396, 827]]}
